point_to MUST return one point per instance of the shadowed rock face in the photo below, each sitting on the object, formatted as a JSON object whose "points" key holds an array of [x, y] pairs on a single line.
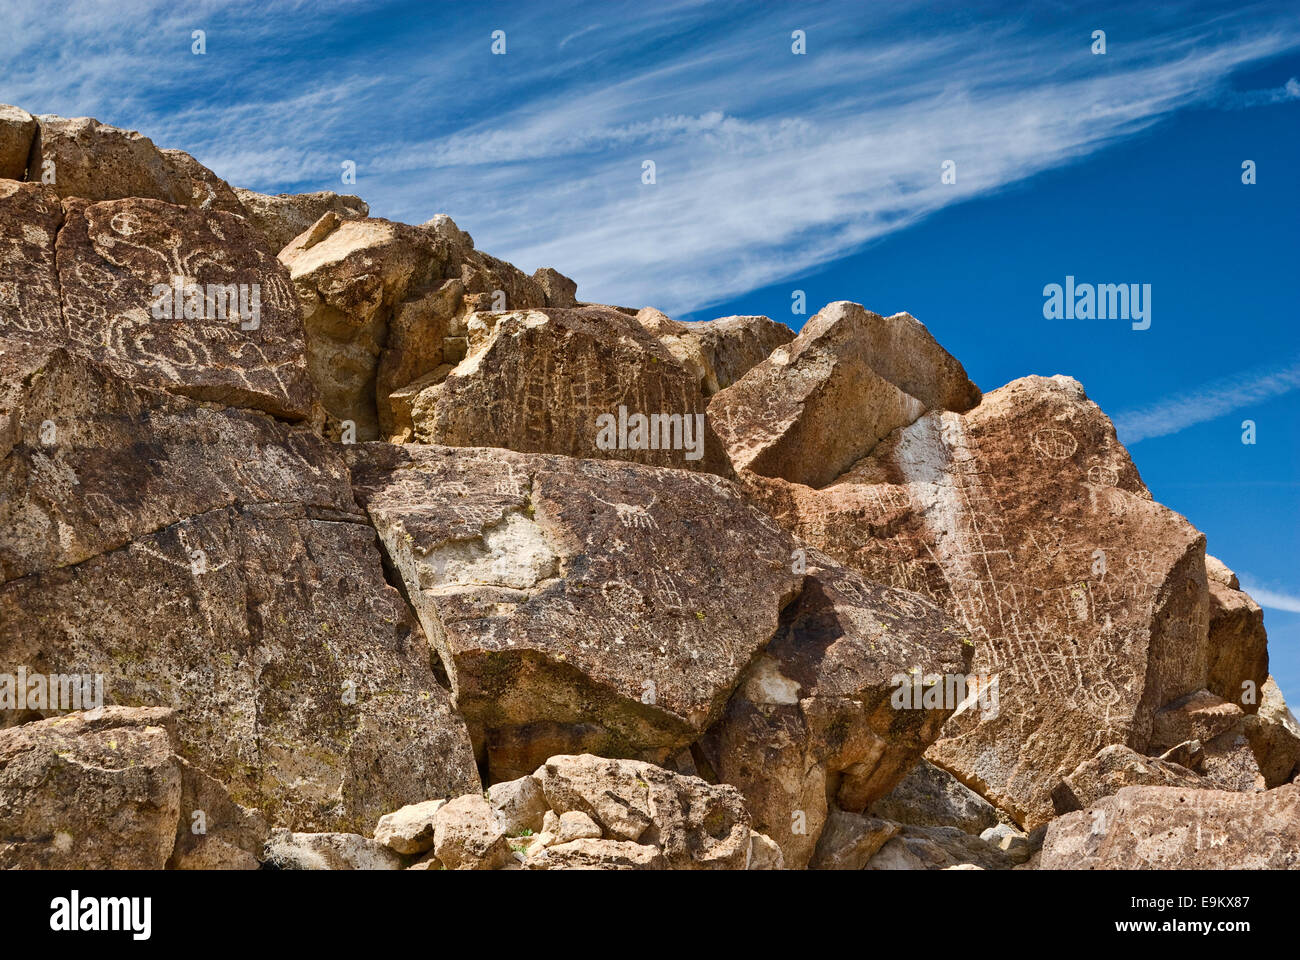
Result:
{"points": [[1028, 521], [815, 718], [1238, 643], [1174, 828], [17, 130], [89, 791], [717, 352], [575, 600], [540, 381], [814, 407], [93, 161], [214, 561]]}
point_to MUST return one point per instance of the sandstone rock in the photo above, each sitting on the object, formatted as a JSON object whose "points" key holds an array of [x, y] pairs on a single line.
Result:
{"points": [[1200, 715], [849, 840], [541, 381], [694, 825], [1274, 737], [214, 832], [467, 835], [410, 829], [1189, 754], [30, 217], [97, 790], [283, 217], [817, 405], [577, 604], [576, 825], [215, 562], [816, 715], [764, 853], [520, 805], [93, 161], [17, 130], [597, 855], [560, 291], [384, 304], [1230, 762], [1112, 769], [932, 797], [1017, 845], [328, 851], [1238, 643], [1026, 519], [939, 848], [1174, 828], [717, 352]]}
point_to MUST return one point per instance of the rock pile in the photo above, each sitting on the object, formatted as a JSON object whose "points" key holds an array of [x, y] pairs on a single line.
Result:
{"points": [[331, 542]]}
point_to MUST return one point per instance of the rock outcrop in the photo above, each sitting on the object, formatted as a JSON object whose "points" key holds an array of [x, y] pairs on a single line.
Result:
{"points": [[284, 216], [17, 131], [717, 352]]}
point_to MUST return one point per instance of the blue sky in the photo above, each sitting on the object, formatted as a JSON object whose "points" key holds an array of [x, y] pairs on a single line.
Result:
{"points": [[819, 172]]}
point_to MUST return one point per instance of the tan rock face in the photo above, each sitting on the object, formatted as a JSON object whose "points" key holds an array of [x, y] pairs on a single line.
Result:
{"points": [[814, 407], [1114, 768], [384, 305], [1238, 642], [931, 797], [1275, 737], [601, 605], [849, 840], [1172, 828], [17, 130], [284, 216], [214, 832], [717, 352], [1027, 520], [587, 382], [81, 157], [98, 790], [817, 716], [30, 217], [215, 562]]}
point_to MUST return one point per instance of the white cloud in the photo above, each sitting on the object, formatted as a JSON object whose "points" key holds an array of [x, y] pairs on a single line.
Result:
{"points": [[1272, 599]]}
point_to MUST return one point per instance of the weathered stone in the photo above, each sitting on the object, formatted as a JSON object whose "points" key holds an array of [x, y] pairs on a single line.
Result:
{"points": [[328, 851], [98, 790], [468, 835], [1238, 643], [717, 352], [17, 130], [384, 304], [1200, 715], [576, 825], [816, 716], [849, 840], [932, 797], [1274, 737], [1174, 828], [1189, 754], [81, 157], [583, 382], [817, 405], [1112, 769], [1230, 762], [520, 804], [597, 855], [1016, 844], [577, 604], [30, 217], [409, 830], [939, 848], [284, 216], [214, 832], [764, 853], [695, 825], [1026, 519]]}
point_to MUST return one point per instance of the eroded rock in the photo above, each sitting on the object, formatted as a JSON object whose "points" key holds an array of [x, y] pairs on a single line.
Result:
{"points": [[284, 216], [17, 130], [717, 352]]}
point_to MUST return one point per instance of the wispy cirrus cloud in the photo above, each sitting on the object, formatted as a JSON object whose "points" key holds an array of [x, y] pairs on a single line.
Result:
{"points": [[1271, 599], [1206, 402]]}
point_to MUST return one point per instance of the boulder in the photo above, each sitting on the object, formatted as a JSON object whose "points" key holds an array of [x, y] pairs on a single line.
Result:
{"points": [[17, 130], [81, 157], [328, 851], [1176, 828], [283, 217], [1112, 769], [1274, 737], [939, 848], [717, 352], [818, 715], [468, 835], [577, 604], [96, 790], [1026, 520], [930, 796], [823, 401], [585, 382], [597, 855], [1238, 643], [409, 830], [520, 805], [849, 840], [214, 832]]}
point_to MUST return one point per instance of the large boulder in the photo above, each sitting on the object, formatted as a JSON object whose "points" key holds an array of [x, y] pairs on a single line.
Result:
{"points": [[1274, 737], [1114, 768], [932, 797], [1026, 519], [577, 604], [284, 216], [81, 157], [818, 718], [717, 352], [584, 382], [820, 403], [215, 562], [98, 790], [1238, 643], [17, 130], [1175, 828], [385, 304]]}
